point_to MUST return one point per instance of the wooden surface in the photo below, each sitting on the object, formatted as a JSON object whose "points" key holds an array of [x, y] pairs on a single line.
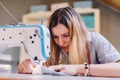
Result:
{"points": [[6, 76]]}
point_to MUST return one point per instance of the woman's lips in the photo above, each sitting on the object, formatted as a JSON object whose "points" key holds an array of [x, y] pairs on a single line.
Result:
{"points": [[65, 48]]}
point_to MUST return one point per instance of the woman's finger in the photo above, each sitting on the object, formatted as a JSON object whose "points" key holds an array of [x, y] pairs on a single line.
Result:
{"points": [[57, 68]]}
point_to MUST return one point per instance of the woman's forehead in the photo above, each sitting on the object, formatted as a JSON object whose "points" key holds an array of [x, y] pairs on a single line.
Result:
{"points": [[59, 29]]}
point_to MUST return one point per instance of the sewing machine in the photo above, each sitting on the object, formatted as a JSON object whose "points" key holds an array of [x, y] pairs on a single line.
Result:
{"points": [[33, 41]]}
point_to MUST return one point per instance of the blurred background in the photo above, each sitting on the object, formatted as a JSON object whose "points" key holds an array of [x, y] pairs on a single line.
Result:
{"points": [[105, 14]]}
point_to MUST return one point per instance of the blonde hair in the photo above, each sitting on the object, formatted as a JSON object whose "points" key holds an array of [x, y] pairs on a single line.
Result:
{"points": [[78, 32]]}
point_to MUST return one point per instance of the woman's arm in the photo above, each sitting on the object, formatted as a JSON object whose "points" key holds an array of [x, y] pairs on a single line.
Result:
{"points": [[105, 70], [99, 70]]}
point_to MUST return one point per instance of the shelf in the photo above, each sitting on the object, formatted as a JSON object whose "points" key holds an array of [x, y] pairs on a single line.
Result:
{"points": [[91, 17]]}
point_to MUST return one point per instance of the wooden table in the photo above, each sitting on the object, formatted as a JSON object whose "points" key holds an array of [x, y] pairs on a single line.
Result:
{"points": [[6, 76]]}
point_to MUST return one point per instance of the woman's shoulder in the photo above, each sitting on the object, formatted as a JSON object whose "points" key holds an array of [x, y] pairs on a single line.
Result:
{"points": [[96, 37], [93, 35]]}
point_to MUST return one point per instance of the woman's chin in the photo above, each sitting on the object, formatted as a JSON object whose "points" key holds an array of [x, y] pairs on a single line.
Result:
{"points": [[66, 51]]}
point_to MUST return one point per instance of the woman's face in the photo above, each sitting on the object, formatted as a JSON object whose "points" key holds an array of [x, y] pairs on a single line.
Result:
{"points": [[61, 36]]}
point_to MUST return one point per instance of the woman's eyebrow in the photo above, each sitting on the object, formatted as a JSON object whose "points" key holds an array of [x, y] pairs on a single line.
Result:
{"points": [[66, 33], [61, 34]]}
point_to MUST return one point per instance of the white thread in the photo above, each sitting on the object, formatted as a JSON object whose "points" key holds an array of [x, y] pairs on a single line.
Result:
{"points": [[8, 12]]}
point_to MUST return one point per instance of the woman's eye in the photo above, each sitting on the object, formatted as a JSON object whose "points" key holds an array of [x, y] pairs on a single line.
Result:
{"points": [[54, 36], [66, 35]]}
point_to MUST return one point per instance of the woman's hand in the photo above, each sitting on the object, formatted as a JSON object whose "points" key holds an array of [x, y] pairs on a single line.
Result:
{"points": [[68, 69], [26, 67]]}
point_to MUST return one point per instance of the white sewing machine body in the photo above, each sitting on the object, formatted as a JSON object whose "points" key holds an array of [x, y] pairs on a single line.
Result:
{"points": [[33, 40]]}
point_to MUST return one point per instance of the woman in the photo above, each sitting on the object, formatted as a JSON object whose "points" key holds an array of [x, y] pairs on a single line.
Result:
{"points": [[72, 43]]}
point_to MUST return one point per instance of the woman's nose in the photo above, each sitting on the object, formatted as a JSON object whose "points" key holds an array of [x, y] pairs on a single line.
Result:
{"points": [[61, 42]]}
